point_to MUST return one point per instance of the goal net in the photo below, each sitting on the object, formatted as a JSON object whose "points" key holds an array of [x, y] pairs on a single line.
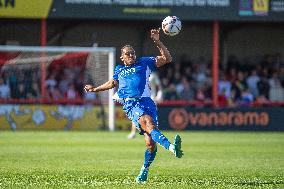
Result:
{"points": [[56, 75]]}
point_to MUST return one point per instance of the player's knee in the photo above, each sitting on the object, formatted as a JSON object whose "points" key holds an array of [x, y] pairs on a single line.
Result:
{"points": [[147, 123], [151, 146], [150, 123]]}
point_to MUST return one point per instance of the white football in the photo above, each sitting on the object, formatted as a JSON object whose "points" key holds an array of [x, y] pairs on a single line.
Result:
{"points": [[171, 25]]}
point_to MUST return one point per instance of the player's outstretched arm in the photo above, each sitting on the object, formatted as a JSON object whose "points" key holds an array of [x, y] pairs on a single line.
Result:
{"points": [[165, 56], [106, 86]]}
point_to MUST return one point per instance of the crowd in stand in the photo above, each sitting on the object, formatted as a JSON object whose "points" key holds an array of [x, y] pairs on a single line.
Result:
{"points": [[240, 82], [64, 80], [19, 83]]}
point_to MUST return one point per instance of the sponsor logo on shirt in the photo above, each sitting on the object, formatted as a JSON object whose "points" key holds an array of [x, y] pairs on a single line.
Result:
{"points": [[125, 72]]}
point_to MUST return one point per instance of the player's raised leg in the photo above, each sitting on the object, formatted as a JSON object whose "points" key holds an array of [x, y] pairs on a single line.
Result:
{"points": [[150, 154], [149, 127]]}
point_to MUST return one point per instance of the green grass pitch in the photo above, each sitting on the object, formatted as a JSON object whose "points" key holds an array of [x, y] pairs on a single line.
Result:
{"points": [[109, 160]]}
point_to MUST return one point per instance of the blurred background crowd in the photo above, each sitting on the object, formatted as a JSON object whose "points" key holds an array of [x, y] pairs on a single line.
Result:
{"points": [[241, 82]]}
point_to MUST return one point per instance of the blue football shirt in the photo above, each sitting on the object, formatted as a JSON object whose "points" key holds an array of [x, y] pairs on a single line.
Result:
{"points": [[134, 79]]}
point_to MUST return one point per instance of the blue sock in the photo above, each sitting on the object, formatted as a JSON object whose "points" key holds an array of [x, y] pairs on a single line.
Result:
{"points": [[149, 157], [158, 137]]}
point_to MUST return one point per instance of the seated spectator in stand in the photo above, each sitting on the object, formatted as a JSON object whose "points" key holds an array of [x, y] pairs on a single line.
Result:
{"points": [[13, 81], [90, 96], [185, 92], [187, 72], [252, 81], [156, 87], [239, 85], [165, 84], [170, 93], [231, 100], [51, 81], [276, 91], [202, 64], [71, 93], [246, 98], [281, 75], [53, 93], [268, 63], [200, 77], [200, 96], [176, 78], [79, 83], [4, 90], [279, 61], [34, 92], [263, 86], [64, 83], [222, 99], [21, 93], [232, 75], [170, 74], [224, 86], [177, 68], [261, 100]]}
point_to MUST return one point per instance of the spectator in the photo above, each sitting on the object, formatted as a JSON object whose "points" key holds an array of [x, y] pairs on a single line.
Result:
{"points": [[231, 100], [185, 92], [202, 64], [63, 84], [188, 73], [165, 83], [232, 75], [224, 86], [281, 76], [239, 85], [170, 93], [276, 91], [246, 97], [279, 61], [156, 87], [252, 81], [13, 82], [200, 96], [200, 77], [261, 100], [34, 91], [268, 63], [4, 90], [71, 93], [177, 67], [170, 74], [176, 78], [21, 93], [263, 86], [53, 93], [51, 81], [79, 83], [222, 99]]}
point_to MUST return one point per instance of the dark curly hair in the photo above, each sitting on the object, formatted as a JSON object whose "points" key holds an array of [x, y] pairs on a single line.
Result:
{"points": [[125, 46]]}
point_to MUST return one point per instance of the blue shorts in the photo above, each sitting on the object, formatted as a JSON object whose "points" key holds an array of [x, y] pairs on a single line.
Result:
{"points": [[135, 108]]}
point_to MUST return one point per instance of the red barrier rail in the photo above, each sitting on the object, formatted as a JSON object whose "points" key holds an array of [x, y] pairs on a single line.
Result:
{"points": [[47, 101], [194, 103]]}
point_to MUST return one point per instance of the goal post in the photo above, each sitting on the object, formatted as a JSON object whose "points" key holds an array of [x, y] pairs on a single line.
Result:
{"points": [[111, 64], [92, 65]]}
